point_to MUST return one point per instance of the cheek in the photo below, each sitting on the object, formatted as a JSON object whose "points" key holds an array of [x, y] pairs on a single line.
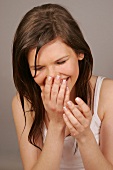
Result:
{"points": [[75, 69], [40, 79], [71, 69]]}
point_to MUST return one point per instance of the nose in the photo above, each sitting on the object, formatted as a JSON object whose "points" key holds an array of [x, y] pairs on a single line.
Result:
{"points": [[52, 71]]}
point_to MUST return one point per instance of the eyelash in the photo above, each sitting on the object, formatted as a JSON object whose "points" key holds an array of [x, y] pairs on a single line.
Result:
{"points": [[38, 69], [61, 62]]}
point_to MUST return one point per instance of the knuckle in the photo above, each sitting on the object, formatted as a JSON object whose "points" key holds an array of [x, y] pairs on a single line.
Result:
{"points": [[75, 124], [71, 129], [56, 82], [53, 108], [54, 92], [48, 83], [79, 116], [60, 97], [72, 106], [46, 91], [74, 133], [74, 109]]}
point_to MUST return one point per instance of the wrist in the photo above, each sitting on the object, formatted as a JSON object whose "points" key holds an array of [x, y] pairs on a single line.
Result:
{"points": [[85, 138], [57, 127]]}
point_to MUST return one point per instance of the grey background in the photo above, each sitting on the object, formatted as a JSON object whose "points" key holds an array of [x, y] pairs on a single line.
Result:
{"points": [[95, 18]]}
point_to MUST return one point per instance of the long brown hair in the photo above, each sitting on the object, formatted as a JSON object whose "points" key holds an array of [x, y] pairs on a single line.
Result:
{"points": [[39, 26]]}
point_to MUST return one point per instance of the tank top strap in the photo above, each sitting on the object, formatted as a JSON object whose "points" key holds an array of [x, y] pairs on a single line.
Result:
{"points": [[96, 95]]}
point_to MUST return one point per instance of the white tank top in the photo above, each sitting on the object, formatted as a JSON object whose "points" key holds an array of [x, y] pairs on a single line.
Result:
{"points": [[71, 161]]}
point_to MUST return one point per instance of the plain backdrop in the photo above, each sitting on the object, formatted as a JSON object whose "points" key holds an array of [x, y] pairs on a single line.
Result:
{"points": [[95, 18]]}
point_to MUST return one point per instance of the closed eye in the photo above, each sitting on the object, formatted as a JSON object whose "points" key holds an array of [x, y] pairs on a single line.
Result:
{"points": [[39, 68], [61, 62]]}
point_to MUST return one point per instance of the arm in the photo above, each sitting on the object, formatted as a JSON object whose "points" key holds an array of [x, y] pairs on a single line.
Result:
{"points": [[29, 153], [32, 157], [49, 158], [93, 156]]}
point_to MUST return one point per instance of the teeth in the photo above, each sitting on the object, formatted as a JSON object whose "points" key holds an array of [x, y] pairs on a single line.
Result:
{"points": [[64, 79]]}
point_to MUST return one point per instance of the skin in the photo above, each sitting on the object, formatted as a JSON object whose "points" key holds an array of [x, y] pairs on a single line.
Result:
{"points": [[52, 73], [56, 62]]}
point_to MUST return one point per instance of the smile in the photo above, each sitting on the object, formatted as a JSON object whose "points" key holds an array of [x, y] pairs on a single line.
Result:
{"points": [[65, 79]]}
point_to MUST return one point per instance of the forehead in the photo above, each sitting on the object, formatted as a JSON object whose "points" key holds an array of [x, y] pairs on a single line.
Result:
{"points": [[50, 51]]}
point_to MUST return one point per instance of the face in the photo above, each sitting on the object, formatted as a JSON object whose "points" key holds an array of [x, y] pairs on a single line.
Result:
{"points": [[55, 58]]}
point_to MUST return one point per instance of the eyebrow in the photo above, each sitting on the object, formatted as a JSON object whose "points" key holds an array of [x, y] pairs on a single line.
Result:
{"points": [[36, 66], [62, 58], [54, 61]]}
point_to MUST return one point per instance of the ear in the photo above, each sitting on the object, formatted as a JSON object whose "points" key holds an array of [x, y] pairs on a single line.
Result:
{"points": [[80, 56]]}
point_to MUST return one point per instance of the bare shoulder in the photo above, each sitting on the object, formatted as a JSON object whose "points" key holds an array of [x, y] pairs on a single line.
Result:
{"points": [[106, 96], [15, 100], [17, 111], [107, 89], [16, 106], [16, 103], [106, 132], [105, 105], [19, 115], [29, 153]]}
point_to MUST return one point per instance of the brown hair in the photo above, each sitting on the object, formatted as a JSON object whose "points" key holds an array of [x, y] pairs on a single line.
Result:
{"points": [[39, 26]]}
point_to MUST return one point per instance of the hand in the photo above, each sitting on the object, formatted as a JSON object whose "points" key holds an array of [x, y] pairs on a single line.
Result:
{"points": [[77, 118], [55, 95]]}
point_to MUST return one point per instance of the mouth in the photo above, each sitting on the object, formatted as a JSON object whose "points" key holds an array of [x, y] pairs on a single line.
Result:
{"points": [[65, 79]]}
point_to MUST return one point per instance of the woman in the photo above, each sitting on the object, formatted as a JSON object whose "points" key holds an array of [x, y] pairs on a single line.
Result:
{"points": [[62, 113]]}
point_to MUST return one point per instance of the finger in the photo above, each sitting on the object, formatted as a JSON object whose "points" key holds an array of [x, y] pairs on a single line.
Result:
{"points": [[77, 113], [72, 130], [75, 123], [47, 88], [55, 89], [61, 94], [78, 107], [67, 95], [84, 107]]}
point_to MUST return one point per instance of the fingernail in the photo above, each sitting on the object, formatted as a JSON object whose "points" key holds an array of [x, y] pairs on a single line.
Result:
{"points": [[69, 103], [78, 99], [57, 77], [49, 78], [64, 108], [64, 81]]}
